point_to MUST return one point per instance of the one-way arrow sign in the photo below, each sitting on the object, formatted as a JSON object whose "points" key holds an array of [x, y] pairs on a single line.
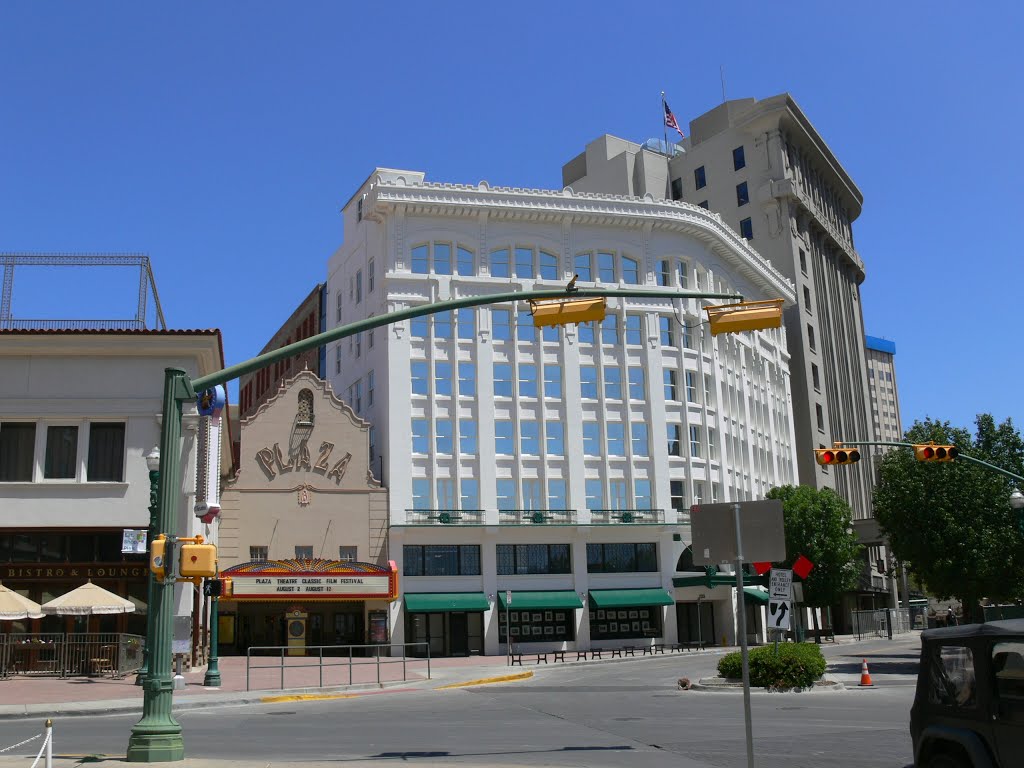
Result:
{"points": [[778, 614]]}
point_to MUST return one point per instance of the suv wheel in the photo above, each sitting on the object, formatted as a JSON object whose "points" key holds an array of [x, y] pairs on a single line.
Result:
{"points": [[946, 761]]}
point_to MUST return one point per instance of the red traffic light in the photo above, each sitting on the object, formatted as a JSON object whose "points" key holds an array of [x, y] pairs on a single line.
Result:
{"points": [[826, 457], [836, 456], [932, 452]]}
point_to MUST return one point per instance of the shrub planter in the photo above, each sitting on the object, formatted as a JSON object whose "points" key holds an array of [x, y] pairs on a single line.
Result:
{"points": [[790, 667]]}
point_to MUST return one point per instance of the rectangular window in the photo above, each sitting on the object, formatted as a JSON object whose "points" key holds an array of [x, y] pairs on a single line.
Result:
{"points": [[420, 377], [529, 437], [691, 387], [630, 271], [369, 337], [470, 490], [553, 381], [442, 379], [506, 491], [516, 559], [258, 553], [442, 258], [677, 491], [421, 494], [606, 267], [525, 329], [637, 384], [337, 307], [106, 452], [548, 266], [698, 493], [421, 436], [503, 380], [666, 331], [742, 195], [373, 444], [677, 189], [709, 392], [443, 325], [532, 496], [617, 496], [443, 436], [820, 414], [610, 330], [588, 382], [591, 438], [738, 160], [675, 439], [421, 260], [555, 438], [500, 263], [642, 494], [369, 277], [504, 438], [304, 552], [467, 436], [465, 322], [420, 328], [524, 262], [527, 380], [595, 494], [551, 333], [616, 438], [712, 449], [582, 265], [612, 382], [359, 286], [664, 275], [587, 332], [348, 554], [61, 453], [337, 358], [816, 380], [695, 442], [556, 494], [445, 493], [810, 336], [441, 560], [807, 298], [699, 178], [640, 441], [359, 344], [683, 274], [803, 261], [622, 558], [633, 330], [501, 322], [747, 229], [467, 379], [465, 261], [670, 385]]}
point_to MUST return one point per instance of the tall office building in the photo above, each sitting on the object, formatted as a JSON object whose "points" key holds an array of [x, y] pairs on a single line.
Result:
{"points": [[555, 466], [885, 401], [763, 167]]}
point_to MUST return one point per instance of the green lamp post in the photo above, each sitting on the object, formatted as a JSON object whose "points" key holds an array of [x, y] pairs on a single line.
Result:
{"points": [[153, 463], [157, 738], [212, 677]]}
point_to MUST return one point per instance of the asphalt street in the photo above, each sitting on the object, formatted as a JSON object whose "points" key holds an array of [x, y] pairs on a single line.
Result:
{"points": [[628, 713]]}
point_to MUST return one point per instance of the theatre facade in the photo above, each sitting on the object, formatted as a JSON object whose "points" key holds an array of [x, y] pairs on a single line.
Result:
{"points": [[304, 528]]}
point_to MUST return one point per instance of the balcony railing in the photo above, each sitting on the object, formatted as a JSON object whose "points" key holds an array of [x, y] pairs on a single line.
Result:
{"points": [[627, 516], [537, 516], [444, 516]]}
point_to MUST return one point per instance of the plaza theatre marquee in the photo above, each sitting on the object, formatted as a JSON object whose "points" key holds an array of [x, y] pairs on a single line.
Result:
{"points": [[313, 579]]}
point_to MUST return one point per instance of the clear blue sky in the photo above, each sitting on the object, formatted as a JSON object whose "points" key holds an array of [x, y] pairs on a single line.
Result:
{"points": [[222, 139]]}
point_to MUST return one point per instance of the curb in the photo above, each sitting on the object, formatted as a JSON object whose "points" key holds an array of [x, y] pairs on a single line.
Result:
{"points": [[723, 685], [488, 681]]}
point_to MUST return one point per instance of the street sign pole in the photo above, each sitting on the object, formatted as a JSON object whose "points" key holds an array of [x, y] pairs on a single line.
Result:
{"points": [[508, 628], [743, 638]]}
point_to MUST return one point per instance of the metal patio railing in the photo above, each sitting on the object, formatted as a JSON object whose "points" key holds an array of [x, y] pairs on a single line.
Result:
{"points": [[66, 655], [337, 656]]}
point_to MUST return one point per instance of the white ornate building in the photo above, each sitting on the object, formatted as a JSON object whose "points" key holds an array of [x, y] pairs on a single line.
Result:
{"points": [[557, 464]]}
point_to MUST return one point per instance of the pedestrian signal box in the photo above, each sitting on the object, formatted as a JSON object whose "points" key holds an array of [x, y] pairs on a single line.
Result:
{"points": [[157, 562], [198, 560]]}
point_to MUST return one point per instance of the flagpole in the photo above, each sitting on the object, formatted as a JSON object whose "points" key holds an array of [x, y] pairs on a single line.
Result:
{"points": [[664, 122]]}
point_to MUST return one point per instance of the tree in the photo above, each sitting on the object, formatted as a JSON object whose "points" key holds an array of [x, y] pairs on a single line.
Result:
{"points": [[952, 522], [819, 525]]}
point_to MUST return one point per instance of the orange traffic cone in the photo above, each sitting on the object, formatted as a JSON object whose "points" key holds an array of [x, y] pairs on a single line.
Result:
{"points": [[865, 676]]}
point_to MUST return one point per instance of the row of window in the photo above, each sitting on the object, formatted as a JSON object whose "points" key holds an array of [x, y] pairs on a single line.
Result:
{"points": [[356, 389], [560, 625], [527, 559], [92, 452], [305, 552], [57, 547], [529, 493], [529, 438]]}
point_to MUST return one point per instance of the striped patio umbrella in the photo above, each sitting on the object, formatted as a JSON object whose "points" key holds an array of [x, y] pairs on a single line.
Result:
{"points": [[14, 607]]}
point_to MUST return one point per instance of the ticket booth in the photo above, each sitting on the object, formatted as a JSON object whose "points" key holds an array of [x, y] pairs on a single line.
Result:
{"points": [[295, 623]]}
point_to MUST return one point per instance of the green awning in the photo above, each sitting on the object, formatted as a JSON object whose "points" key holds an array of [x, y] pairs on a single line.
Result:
{"points": [[628, 598], [538, 601], [756, 594], [438, 602]]}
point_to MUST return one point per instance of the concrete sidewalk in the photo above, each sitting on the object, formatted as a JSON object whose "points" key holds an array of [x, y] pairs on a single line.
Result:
{"points": [[72, 761]]}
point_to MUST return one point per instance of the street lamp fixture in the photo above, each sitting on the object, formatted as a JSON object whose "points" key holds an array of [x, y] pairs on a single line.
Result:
{"points": [[153, 464], [1017, 505], [153, 459]]}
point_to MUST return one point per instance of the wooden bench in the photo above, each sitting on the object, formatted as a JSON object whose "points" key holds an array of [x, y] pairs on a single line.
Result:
{"points": [[630, 650], [616, 652], [541, 656], [595, 653], [581, 655], [559, 655], [517, 658]]}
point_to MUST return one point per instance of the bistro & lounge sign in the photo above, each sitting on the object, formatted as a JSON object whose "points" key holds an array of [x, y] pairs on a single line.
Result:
{"points": [[74, 571]]}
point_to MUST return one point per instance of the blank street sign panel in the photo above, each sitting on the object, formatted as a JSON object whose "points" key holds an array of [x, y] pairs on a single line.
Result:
{"points": [[714, 532]]}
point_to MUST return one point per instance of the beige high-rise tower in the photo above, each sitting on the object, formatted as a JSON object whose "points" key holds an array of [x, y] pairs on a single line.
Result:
{"points": [[767, 172]]}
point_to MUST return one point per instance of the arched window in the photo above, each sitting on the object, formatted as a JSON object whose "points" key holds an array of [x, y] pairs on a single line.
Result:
{"points": [[305, 413], [685, 562]]}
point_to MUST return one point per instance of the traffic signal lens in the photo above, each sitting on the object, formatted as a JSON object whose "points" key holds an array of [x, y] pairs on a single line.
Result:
{"points": [[953, 452], [828, 457], [929, 453], [854, 456], [841, 457]]}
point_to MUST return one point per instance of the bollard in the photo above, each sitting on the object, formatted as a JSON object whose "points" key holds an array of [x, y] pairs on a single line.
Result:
{"points": [[49, 744], [179, 678]]}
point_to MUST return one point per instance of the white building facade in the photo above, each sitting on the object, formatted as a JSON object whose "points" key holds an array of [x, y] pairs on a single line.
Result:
{"points": [[554, 465]]}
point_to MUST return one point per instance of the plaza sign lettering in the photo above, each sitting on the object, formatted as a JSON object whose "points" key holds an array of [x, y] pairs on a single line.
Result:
{"points": [[274, 462], [330, 587]]}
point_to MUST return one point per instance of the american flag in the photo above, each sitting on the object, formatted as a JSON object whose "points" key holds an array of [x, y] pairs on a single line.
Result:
{"points": [[670, 120]]}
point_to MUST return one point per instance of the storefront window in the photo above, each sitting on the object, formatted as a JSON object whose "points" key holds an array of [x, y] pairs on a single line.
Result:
{"points": [[537, 626], [441, 560], [622, 558], [622, 623], [533, 558]]}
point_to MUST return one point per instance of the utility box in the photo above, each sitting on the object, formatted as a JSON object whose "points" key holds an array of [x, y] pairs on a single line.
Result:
{"points": [[157, 557], [198, 560]]}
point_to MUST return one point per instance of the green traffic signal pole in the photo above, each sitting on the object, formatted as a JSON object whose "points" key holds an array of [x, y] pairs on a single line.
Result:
{"points": [[960, 455], [157, 738]]}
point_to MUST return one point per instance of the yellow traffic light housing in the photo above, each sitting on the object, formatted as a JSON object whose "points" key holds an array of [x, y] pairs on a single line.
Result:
{"points": [[745, 316], [933, 452], [197, 560], [157, 555], [563, 312], [836, 455]]}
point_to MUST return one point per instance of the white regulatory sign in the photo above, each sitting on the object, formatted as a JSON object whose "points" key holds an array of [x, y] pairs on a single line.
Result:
{"points": [[508, 597], [780, 584], [778, 614]]}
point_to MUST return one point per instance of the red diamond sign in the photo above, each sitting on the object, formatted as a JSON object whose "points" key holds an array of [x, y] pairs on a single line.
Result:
{"points": [[762, 568], [802, 567]]}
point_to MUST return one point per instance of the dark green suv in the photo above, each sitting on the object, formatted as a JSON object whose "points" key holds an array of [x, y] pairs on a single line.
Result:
{"points": [[969, 707]]}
